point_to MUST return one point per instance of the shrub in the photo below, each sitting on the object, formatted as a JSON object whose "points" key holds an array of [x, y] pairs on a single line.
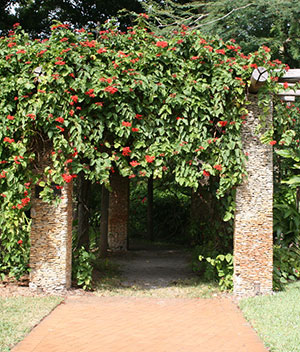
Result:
{"points": [[82, 268]]}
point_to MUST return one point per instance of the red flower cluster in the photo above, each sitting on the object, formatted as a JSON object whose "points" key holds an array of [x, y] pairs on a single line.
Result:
{"points": [[161, 44], [126, 124], [32, 116], [134, 163], [9, 140], [60, 128], [110, 89], [272, 142], [144, 15], [101, 50], [134, 129], [68, 178], [206, 173], [126, 151], [218, 167], [18, 157], [222, 123], [9, 117], [138, 116], [3, 174], [149, 158], [60, 119], [24, 202], [74, 98], [60, 63], [90, 93]]}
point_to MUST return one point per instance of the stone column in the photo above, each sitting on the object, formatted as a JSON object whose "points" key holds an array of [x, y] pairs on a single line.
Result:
{"points": [[51, 242], [253, 228], [118, 213]]}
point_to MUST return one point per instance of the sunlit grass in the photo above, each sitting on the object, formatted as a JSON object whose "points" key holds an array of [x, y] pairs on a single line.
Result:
{"points": [[18, 315], [276, 318]]}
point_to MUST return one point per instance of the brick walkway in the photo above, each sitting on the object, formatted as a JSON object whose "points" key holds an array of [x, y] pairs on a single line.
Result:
{"points": [[120, 324]]}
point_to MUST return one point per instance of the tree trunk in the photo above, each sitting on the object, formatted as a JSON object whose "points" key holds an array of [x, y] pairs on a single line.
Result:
{"points": [[150, 233], [83, 211], [104, 222]]}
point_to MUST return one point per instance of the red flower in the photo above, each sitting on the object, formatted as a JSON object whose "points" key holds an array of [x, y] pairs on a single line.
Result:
{"points": [[21, 51], [67, 178], [134, 163], [60, 119], [138, 116], [218, 167], [32, 116], [3, 174], [41, 52], [222, 123], [144, 15], [266, 49], [126, 151], [74, 98], [126, 124], [110, 89], [161, 44], [10, 45], [60, 128], [60, 62], [9, 140], [99, 103], [20, 242], [272, 142], [16, 25], [9, 117], [101, 51], [90, 92], [149, 158], [135, 129], [285, 85], [220, 51], [208, 47], [206, 173]]}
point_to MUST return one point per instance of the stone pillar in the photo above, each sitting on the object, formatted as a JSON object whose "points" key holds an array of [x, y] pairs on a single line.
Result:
{"points": [[253, 228], [118, 213], [51, 242]]}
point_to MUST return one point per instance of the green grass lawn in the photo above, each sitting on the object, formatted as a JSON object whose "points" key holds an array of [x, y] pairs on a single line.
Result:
{"points": [[18, 315], [276, 318]]}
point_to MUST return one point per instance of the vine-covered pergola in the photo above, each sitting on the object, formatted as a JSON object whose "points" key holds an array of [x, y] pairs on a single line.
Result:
{"points": [[117, 106]]}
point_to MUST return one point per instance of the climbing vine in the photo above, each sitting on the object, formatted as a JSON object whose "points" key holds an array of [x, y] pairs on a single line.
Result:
{"points": [[108, 101]]}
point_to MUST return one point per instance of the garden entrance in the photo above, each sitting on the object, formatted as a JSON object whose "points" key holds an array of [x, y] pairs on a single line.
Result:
{"points": [[137, 106]]}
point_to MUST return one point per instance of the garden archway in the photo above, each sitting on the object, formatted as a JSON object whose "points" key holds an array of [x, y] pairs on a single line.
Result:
{"points": [[98, 114]]}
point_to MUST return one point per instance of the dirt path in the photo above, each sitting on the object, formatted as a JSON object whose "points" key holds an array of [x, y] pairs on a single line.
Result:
{"points": [[154, 268]]}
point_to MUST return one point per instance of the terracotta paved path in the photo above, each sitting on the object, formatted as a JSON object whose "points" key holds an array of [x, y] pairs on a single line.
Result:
{"points": [[126, 324]]}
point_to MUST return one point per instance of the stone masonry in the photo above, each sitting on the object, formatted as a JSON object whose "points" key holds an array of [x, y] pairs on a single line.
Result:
{"points": [[51, 243], [118, 213], [253, 233]]}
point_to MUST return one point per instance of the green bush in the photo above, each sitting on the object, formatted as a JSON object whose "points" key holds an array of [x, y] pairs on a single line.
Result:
{"points": [[223, 269], [286, 267], [82, 268]]}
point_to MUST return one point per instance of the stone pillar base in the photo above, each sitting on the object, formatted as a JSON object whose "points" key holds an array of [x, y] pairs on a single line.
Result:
{"points": [[51, 243]]}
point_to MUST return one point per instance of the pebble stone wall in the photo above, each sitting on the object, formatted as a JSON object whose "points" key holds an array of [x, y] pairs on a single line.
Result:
{"points": [[253, 232], [51, 243], [118, 213]]}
